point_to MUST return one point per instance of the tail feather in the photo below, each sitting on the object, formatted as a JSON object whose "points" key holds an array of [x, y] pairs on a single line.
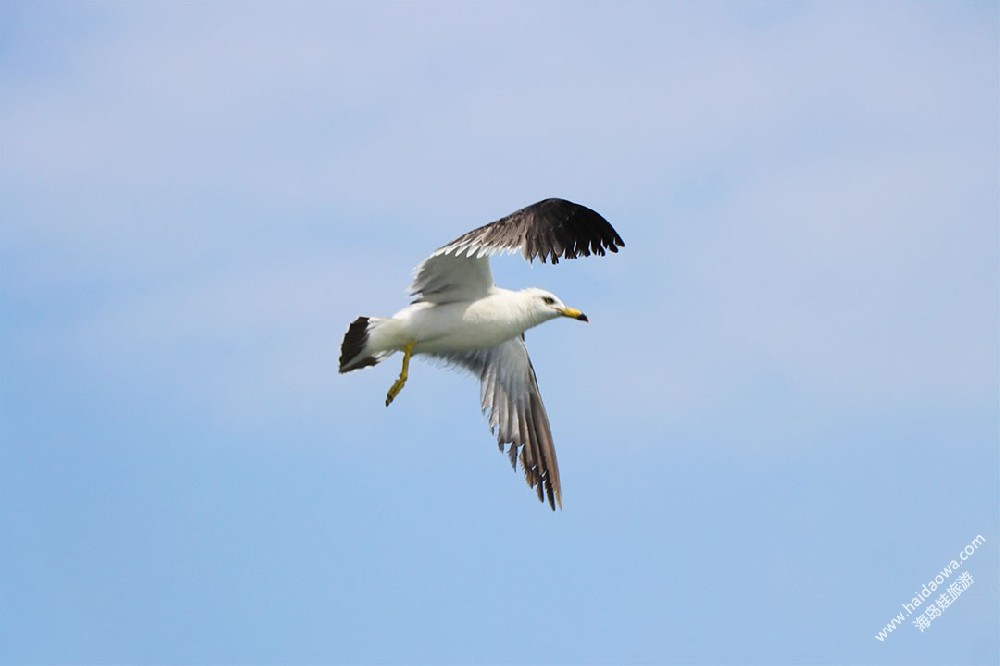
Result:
{"points": [[353, 353]]}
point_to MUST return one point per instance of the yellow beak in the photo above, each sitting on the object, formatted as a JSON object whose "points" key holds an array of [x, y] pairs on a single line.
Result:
{"points": [[573, 313]]}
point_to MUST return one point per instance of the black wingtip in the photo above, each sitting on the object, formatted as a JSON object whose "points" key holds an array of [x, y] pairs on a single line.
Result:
{"points": [[574, 231]]}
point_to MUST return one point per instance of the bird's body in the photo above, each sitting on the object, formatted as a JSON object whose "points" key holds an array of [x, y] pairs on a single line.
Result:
{"points": [[498, 316], [460, 317]]}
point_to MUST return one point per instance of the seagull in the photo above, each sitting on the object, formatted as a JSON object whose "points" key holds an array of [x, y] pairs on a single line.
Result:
{"points": [[460, 317]]}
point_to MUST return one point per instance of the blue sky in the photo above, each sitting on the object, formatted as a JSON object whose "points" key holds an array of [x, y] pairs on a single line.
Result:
{"points": [[781, 422]]}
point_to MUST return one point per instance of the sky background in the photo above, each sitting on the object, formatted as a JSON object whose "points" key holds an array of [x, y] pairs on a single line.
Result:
{"points": [[781, 422]]}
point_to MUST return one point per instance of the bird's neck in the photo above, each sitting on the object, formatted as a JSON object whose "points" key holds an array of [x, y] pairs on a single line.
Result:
{"points": [[523, 303]]}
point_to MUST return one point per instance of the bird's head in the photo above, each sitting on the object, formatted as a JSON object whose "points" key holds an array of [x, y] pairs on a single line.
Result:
{"points": [[548, 306]]}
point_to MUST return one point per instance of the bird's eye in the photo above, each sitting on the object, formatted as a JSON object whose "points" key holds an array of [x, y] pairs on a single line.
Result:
{"points": [[548, 300]]}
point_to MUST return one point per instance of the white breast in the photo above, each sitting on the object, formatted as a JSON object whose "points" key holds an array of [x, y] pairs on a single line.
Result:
{"points": [[478, 324]]}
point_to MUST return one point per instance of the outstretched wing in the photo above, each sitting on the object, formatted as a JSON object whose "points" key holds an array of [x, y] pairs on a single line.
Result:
{"points": [[548, 230], [510, 398]]}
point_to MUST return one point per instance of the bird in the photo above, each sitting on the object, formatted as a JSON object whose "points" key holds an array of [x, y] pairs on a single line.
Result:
{"points": [[458, 316]]}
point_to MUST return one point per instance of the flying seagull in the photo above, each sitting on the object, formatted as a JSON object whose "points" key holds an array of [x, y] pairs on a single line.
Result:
{"points": [[460, 317]]}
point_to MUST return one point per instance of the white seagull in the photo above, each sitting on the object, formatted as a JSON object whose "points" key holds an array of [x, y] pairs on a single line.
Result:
{"points": [[461, 318]]}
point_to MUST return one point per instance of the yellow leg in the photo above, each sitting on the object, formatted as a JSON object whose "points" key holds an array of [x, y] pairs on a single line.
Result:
{"points": [[398, 386]]}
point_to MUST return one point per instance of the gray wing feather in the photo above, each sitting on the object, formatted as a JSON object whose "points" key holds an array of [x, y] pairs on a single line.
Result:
{"points": [[510, 398]]}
